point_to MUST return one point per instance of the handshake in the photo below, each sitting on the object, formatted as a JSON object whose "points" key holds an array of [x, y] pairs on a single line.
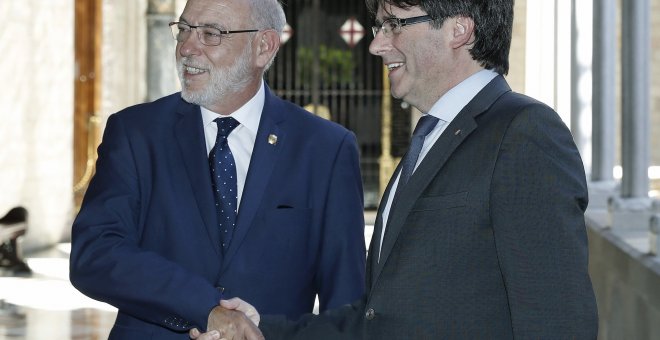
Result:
{"points": [[233, 319]]}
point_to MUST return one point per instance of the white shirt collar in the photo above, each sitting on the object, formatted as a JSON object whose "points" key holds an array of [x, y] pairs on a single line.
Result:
{"points": [[452, 102], [248, 115]]}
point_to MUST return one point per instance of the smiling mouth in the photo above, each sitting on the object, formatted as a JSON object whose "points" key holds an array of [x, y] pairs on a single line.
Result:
{"points": [[193, 70], [393, 66]]}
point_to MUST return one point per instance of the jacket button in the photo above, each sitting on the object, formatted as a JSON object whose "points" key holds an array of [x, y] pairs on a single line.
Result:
{"points": [[370, 314]]}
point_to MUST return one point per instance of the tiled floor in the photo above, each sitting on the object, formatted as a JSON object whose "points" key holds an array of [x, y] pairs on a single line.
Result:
{"points": [[44, 305]]}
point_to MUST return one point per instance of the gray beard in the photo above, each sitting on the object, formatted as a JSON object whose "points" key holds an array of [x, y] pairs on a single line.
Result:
{"points": [[224, 82]]}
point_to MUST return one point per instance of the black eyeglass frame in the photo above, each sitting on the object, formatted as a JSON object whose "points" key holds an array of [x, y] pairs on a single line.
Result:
{"points": [[176, 32], [397, 23]]}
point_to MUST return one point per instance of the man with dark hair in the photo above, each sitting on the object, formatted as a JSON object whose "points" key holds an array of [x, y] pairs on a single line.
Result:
{"points": [[480, 233]]}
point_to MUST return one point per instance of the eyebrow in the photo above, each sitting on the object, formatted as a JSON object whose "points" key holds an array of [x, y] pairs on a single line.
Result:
{"points": [[388, 17], [220, 27]]}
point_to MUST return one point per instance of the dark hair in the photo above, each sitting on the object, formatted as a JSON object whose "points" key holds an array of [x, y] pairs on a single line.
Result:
{"points": [[493, 21]]}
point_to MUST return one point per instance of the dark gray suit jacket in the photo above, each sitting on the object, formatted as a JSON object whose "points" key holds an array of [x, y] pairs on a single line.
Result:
{"points": [[486, 241]]}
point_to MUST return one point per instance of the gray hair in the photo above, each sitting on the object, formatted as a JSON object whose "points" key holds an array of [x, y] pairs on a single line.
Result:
{"points": [[268, 14]]}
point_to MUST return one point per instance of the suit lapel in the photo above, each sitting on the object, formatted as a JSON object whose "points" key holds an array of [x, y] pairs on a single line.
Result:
{"points": [[189, 133], [457, 131], [264, 157], [432, 163]]}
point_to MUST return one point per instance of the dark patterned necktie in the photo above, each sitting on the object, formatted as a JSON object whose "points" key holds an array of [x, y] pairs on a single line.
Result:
{"points": [[223, 175], [424, 126]]}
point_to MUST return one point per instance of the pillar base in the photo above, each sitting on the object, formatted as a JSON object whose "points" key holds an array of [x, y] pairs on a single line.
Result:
{"points": [[631, 213], [600, 193]]}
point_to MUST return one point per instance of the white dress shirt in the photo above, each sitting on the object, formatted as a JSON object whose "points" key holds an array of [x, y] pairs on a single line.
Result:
{"points": [[241, 139], [445, 109]]}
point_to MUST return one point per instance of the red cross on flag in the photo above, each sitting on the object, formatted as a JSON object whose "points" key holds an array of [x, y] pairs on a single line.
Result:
{"points": [[287, 33], [352, 32]]}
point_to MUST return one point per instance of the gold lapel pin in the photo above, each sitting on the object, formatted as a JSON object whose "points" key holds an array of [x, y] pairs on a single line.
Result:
{"points": [[272, 139]]}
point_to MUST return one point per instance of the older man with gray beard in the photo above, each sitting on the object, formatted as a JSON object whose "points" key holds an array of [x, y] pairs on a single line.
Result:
{"points": [[221, 190]]}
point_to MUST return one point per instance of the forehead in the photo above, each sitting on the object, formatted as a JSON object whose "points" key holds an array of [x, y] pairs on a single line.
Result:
{"points": [[215, 12]]}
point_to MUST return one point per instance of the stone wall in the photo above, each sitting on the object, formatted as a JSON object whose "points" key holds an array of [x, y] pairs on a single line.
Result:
{"points": [[626, 282]]}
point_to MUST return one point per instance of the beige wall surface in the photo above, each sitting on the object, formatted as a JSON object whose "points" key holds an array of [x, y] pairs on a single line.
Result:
{"points": [[655, 82], [36, 122], [516, 77], [36, 115], [123, 55]]}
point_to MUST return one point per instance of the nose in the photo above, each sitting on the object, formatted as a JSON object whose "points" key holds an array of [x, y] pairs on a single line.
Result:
{"points": [[190, 46], [379, 45]]}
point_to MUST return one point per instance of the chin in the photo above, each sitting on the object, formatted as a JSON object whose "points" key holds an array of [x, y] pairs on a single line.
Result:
{"points": [[397, 91], [395, 94], [193, 97]]}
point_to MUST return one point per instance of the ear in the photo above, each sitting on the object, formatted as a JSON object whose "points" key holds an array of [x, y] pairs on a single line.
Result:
{"points": [[267, 45], [463, 31]]}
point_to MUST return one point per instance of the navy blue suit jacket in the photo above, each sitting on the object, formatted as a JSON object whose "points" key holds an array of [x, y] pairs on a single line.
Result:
{"points": [[146, 239]]}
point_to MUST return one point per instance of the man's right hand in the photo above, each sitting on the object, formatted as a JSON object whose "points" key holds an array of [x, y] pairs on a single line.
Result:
{"points": [[242, 306], [234, 319]]}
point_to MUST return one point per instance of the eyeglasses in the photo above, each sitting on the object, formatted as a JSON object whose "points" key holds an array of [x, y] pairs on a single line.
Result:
{"points": [[393, 25], [208, 35]]}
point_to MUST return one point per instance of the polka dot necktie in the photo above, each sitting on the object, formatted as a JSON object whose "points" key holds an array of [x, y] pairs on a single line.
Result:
{"points": [[223, 175]]}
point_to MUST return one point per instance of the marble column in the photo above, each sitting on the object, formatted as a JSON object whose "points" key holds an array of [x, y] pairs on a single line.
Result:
{"points": [[635, 56], [161, 66], [124, 56], [577, 71], [580, 73], [602, 185], [633, 209]]}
